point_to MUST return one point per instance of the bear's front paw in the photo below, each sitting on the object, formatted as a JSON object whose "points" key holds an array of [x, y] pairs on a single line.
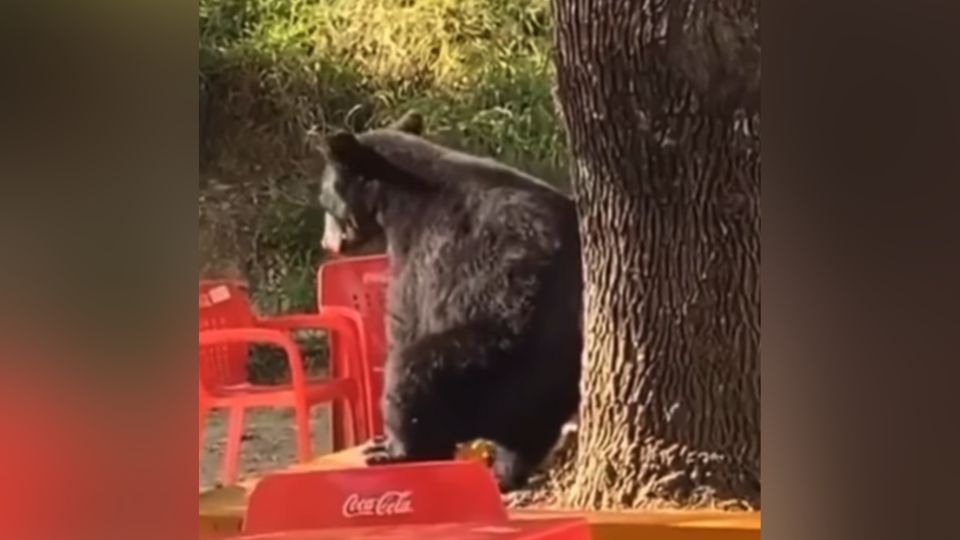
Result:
{"points": [[379, 452]]}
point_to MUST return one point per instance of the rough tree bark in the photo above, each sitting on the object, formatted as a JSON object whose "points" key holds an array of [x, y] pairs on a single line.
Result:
{"points": [[661, 103]]}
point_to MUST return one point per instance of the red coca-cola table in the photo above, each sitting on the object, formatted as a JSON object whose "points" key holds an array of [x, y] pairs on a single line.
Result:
{"points": [[540, 529], [431, 501], [410, 494]]}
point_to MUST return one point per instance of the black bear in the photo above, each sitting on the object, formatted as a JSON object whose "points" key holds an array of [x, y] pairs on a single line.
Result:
{"points": [[484, 302]]}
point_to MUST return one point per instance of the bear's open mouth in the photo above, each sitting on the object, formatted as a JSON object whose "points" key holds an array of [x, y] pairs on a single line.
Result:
{"points": [[339, 233]]}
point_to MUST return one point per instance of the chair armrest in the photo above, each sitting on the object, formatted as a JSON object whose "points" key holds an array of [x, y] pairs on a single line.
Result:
{"points": [[264, 336], [343, 321], [327, 318], [340, 320]]}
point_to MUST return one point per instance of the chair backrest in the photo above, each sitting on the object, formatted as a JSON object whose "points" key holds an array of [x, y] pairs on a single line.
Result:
{"points": [[223, 304], [361, 283], [408, 494]]}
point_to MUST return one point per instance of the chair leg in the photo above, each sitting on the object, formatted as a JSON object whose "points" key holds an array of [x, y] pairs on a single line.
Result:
{"points": [[203, 422], [335, 416], [304, 451], [343, 423], [356, 430], [369, 425], [361, 422], [231, 458]]}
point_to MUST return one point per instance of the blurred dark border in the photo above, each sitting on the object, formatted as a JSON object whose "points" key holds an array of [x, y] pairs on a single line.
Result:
{"points": [[859, 271], [98, 157]]}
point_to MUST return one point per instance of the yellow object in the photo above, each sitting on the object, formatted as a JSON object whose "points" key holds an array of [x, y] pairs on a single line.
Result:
{"points": [[478, 450]]}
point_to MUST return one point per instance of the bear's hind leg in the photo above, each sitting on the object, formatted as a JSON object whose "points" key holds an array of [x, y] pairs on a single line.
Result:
{"points": [[527, 428], [427, 399], [514, 466]]}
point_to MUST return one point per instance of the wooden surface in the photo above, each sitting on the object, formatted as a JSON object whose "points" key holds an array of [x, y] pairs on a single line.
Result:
{"points": [[221, 513]]}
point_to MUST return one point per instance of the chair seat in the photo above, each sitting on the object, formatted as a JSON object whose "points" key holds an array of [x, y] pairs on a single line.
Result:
{"points": [[259, 395]]}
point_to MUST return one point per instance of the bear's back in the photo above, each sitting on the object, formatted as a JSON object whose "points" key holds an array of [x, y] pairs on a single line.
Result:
{"points": [[486, 243], [440, 165]]}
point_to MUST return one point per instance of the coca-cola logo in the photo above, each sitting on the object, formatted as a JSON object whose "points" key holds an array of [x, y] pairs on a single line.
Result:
{"points": [[390, 503]]}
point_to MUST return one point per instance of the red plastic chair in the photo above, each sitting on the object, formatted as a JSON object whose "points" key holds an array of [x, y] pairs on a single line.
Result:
{"points": [[407, 494], [226, 319], [360, 283], [225, 364]]}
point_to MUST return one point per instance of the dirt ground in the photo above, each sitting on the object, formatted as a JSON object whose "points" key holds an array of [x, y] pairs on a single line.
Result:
{"points": [[268, 443]]}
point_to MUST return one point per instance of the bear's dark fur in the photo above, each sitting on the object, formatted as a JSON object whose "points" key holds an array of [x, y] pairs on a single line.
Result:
{"points": [[484, 303]]}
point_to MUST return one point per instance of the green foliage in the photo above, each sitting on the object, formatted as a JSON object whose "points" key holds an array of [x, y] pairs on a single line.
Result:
{"points": [[271, 70], [274, 71]]}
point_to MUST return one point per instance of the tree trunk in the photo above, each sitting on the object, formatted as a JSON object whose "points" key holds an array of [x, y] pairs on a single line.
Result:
{"points": [[661, 103]]}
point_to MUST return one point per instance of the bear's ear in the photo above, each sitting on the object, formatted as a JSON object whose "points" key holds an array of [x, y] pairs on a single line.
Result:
{"points": [[343, 147], [412, 122]]}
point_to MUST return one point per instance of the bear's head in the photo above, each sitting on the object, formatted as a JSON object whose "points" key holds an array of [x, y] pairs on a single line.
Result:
{"points": [[349, 191]]}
